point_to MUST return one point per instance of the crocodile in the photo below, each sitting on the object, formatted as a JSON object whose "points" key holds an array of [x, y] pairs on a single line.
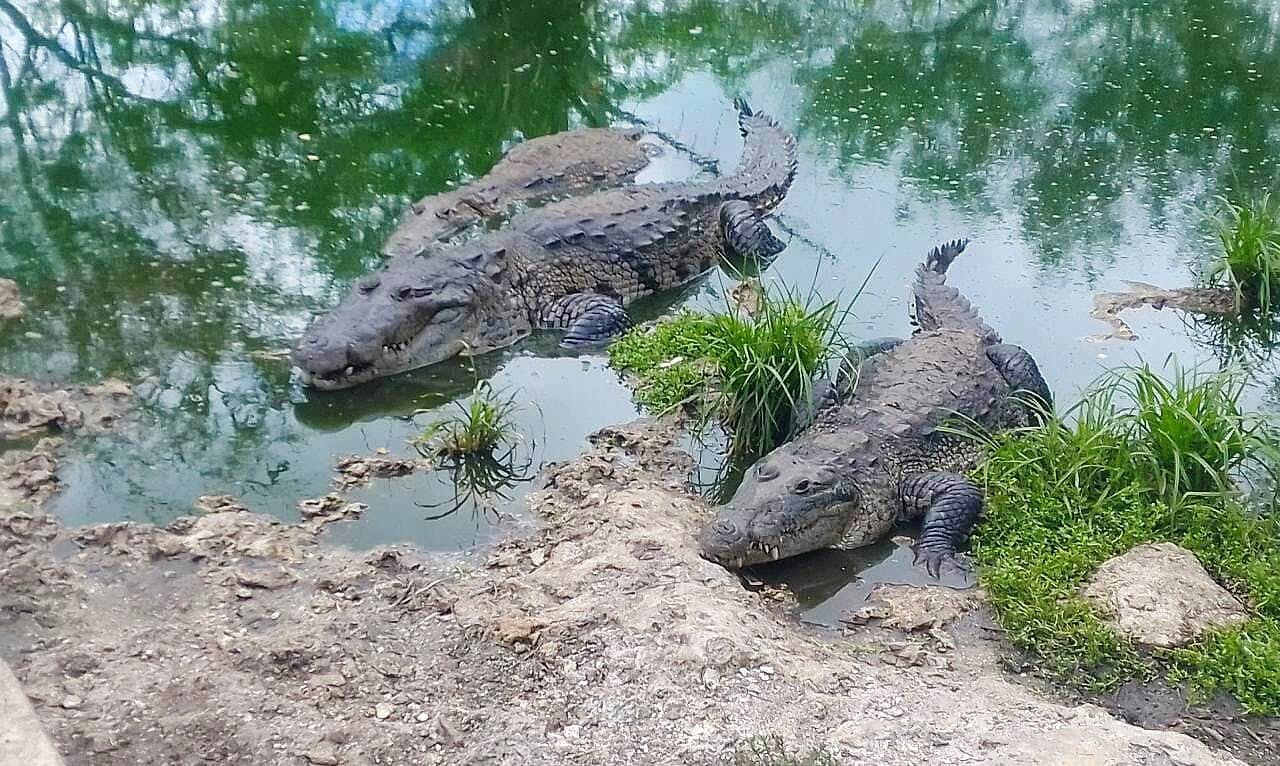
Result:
{"points": [[880, 452], [535, 171], [573, 265]]}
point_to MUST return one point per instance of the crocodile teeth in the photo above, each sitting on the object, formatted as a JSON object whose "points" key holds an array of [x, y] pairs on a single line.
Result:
{"points": [[350, 371], [774, 552]]}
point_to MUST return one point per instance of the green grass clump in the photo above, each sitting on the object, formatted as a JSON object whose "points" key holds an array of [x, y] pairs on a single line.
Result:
{"points": [[1190, 433], [1083, 487], [670, 359], [1250, 260], [482, 423], [767, 362], [752, 371]]}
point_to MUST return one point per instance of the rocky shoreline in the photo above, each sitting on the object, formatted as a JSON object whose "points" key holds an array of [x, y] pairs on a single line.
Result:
{"points": [[601, 636]]}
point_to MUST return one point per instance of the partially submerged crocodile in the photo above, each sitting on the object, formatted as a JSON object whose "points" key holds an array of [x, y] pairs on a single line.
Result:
{"points": [[881, 455], [538, 170], [573, 265]]}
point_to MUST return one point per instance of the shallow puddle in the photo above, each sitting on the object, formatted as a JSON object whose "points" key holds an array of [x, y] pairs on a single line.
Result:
{"points": [[188, 184]]}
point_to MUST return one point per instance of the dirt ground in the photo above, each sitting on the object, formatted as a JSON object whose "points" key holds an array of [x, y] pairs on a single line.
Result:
{"points": [[597, 637]]}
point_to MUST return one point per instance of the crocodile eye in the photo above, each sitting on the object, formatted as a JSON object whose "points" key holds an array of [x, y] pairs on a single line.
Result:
{"points": [[403, 293], [766, 472], [801, 487], [368, 284]]}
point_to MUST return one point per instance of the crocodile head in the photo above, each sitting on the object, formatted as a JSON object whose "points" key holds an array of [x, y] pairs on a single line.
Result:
{"points": [[416, 312], [782, 508]]}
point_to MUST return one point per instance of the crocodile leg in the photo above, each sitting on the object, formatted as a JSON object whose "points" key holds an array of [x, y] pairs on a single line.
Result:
{"points": [[746, 234], [829, 393], [589, 319], [951, 504], [1021, 372]]}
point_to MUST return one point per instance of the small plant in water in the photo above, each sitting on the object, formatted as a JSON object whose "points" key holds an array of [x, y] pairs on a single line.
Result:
{"points": [[1250, 263], [481, 424]]}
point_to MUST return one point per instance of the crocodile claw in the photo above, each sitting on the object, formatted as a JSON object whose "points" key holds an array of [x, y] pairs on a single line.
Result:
{"points": [[932, 559]]}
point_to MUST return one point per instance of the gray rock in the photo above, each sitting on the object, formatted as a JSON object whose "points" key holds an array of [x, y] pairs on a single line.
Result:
{"points": [[1159, 595]]}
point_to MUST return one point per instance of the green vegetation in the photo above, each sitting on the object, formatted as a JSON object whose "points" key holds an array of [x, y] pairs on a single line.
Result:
{"points": [[1092, 483], [478, 446], [483, 422], [669, 360], [752, 371], [771, 750], [1250, 261]]}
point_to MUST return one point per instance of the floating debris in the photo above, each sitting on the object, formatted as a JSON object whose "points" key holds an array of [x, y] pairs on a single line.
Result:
{"points": [[1212, 301]]}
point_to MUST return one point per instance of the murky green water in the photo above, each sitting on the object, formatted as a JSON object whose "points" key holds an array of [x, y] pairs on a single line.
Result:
{"points": [[188, 183]]}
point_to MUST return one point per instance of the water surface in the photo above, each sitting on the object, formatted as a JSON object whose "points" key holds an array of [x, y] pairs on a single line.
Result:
{"points": [[189, 183]]}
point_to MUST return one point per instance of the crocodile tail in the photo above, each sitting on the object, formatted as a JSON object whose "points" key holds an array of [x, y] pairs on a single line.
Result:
{"points": [[941, 306], [768, 164]]}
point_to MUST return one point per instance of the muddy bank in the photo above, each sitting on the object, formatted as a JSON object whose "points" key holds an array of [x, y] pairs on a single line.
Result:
{"points": [[602, 637]]}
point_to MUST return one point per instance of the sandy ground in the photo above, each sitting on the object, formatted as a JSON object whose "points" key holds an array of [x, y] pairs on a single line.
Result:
{"points": [[598, 637]]}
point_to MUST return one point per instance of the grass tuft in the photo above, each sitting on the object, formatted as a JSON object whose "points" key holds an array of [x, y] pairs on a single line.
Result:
{"points": [[482, 423], [1190, 433], [669, 359], [752, 371], [1250, 262], [767, 363], [1104, 477]]}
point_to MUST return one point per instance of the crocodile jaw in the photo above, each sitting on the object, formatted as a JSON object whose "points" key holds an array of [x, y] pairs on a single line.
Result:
{"points": [[739, 538], [417, 352]]}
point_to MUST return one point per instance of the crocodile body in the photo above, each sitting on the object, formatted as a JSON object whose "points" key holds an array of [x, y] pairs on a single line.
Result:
{"points": [[572, 265], [535, 171], [881, 455]]}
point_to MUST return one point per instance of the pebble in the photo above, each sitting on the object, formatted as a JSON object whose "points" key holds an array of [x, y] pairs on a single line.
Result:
{"points": [[70, 702], [383, 710]]}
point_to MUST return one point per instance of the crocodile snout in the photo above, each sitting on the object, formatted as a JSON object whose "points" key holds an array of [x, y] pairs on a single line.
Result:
{"points": [[331, 356]]}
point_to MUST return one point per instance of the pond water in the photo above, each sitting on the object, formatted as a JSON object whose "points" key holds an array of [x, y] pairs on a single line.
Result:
{"points": [[189, 183]]}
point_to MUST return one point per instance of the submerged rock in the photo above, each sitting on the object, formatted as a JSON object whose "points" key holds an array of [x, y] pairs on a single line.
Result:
{"points": [[356, 471], [1160, 596], [27, 406], [10, 300]]}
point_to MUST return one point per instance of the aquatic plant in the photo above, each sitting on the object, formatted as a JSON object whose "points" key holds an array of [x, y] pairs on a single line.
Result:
{"points": [[1250, 262], [482, 422], [1136, 460], [751, 371], [481, 481]]}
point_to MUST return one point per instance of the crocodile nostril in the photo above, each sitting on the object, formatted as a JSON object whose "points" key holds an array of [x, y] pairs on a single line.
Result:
{"points": [[724, 528]]}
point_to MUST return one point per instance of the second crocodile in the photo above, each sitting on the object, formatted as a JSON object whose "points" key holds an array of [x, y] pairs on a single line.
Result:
{"points": [[573, 265], [884, 455], [538, 170]]}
